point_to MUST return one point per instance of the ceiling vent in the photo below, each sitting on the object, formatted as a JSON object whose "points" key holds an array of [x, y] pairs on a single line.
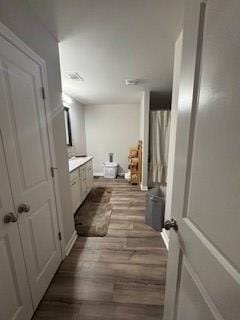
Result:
{"points": [[131, 82], [74, 76]]}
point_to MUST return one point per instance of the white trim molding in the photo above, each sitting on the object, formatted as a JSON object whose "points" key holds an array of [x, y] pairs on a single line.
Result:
{"points": [[71, 243], [144, 188], [165, 238], [18, 43], [98, 174]]}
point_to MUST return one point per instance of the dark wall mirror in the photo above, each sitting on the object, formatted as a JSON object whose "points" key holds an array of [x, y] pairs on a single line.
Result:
{"points": [[68, 126]]}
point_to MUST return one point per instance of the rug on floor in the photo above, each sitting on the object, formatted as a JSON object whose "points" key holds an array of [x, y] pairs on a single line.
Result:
{"points": [[93, 217]]}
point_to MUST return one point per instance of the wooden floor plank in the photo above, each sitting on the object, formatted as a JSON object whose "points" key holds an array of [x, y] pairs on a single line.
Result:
{"points": [[115, 271], [120, 276], [140, 293], [56, 310], [144, 233], [72, 289], [94, 310]]}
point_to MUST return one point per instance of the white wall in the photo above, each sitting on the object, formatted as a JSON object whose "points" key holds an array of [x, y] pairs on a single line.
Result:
{"points": [[77, 119], [144, 136], [111, 128], [173, 127], [20, 19]]}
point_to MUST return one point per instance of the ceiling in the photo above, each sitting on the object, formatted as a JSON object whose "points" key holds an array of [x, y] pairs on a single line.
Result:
{"points": [[108, 41]]}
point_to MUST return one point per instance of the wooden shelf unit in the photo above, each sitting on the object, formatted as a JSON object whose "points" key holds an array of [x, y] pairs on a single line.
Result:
{"points": [[135, 164]]}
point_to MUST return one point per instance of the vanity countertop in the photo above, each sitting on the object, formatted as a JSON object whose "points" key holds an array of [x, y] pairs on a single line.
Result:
{"points": [[77, 162]]}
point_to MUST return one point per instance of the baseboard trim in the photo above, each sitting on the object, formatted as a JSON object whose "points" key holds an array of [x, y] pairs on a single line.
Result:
{"points": [[98, 174], [144, 188], [165, 238], [71, 243]]}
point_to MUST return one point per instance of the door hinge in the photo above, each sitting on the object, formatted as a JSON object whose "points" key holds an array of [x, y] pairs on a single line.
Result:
{"points": [[43, 93], [59, 236], [52, 171]]}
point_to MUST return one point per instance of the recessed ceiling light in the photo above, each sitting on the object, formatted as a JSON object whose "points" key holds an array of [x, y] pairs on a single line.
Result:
{"points": [[131, 82], [74, 76]]}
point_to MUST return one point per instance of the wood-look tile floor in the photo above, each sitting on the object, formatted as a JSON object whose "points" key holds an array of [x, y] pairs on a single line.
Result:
{"points": [[117, 277]]}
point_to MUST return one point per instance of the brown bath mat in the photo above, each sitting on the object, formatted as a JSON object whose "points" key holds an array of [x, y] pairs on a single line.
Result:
{"points": [[93, 217]]}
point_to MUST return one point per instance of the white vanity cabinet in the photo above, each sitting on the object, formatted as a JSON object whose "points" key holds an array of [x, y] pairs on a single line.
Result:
{"points": [[75, 190], [89, 175], [81, 177]]}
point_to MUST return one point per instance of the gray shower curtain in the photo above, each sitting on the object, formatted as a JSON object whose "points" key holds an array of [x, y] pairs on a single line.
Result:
{"points": [[158, 146]]}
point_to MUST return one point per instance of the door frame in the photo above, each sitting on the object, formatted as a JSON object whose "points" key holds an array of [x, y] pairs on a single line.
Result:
{"points": [[9, 36]]}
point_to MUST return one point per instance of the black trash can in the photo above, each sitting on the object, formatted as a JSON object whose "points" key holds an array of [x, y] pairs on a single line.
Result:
{"points": [[155, 208]]}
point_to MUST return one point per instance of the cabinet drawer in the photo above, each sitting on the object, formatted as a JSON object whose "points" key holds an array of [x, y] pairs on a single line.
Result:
{"points": [[83, 172], [89, 165], [89, 176], [76, 195], [89, 168], [90, 171], [74, 175]]}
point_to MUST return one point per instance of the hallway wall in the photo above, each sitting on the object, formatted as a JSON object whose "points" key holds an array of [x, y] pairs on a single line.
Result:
{"points": [[111, 128]]}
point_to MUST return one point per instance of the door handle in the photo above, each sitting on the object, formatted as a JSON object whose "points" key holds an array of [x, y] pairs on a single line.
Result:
{"points": [[23, 208], [169, 224], [10, 217]]}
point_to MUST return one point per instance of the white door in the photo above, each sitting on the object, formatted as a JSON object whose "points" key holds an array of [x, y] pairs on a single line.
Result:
{"points": [[15, 300], [203, 277], [24, 133]]}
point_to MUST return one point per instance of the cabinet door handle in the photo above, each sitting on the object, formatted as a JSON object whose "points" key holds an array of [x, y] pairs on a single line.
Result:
{"points": [[23, 207], [73, 183], [10, 217]]}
